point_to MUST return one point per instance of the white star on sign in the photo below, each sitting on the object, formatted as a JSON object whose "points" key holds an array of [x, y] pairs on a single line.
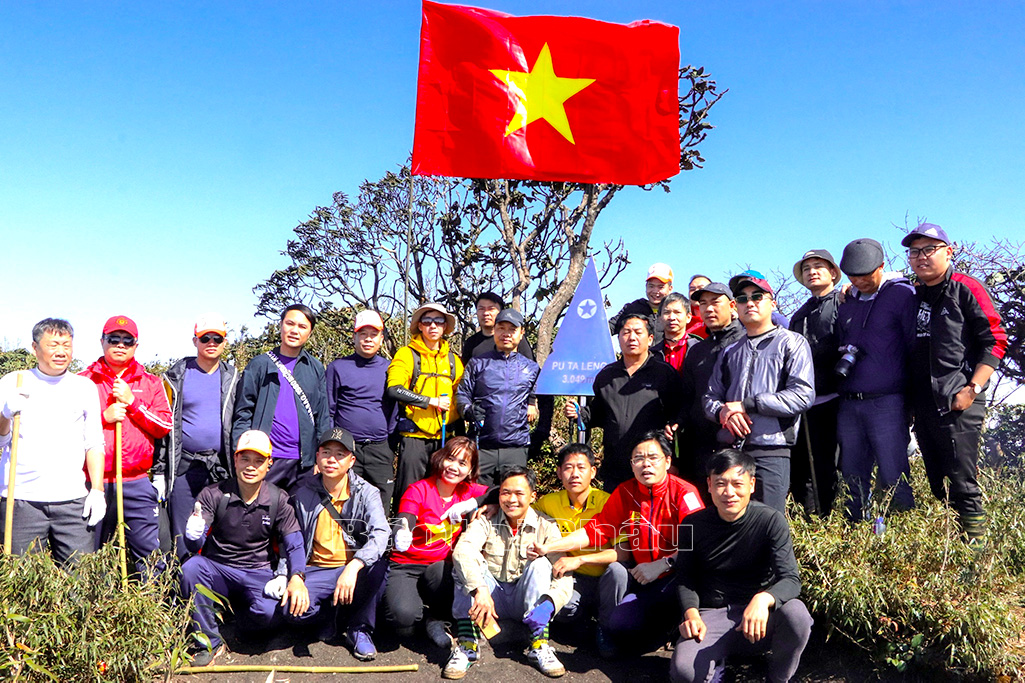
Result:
{"points": [[587, 308]]}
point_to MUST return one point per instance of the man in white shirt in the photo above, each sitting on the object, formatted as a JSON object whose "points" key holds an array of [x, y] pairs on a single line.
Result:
{"points": [[60, 429]]}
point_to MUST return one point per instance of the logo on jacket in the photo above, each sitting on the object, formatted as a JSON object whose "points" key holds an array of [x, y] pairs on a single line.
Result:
{"points": [[266, 520]]}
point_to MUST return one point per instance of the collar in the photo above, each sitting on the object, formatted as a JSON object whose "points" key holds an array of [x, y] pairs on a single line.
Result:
{"points": [[567, 503], [262, 498], [529, 522]]}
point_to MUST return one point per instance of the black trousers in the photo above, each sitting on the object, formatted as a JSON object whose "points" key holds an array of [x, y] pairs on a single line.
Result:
{"points": [[494, 460], [950, 451], [818, 426], [375, 462], [411, 587], [414, 454]]}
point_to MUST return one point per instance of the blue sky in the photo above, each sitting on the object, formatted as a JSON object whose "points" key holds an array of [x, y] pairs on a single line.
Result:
{"points": [[155, 158]]}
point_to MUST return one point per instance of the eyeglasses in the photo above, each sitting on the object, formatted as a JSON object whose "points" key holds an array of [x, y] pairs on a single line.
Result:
{"points": [[427, 322], [928, 251], [117, 340], [207, 338], [756, 297], [652, 459]]}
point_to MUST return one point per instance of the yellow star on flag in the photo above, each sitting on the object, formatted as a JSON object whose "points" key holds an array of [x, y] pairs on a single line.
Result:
{"points": [[540, 94], [440, 532]]}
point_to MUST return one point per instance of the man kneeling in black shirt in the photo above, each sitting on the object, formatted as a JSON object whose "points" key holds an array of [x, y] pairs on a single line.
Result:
{"points": [[738, 585]]}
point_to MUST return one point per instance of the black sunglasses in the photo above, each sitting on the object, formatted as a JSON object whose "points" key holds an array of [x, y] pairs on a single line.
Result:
{"points": [[117, 340], [207, 338], [755, 297]]}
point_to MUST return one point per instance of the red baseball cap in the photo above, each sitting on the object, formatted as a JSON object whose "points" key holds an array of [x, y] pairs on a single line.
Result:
{"points": [[121, 322]]}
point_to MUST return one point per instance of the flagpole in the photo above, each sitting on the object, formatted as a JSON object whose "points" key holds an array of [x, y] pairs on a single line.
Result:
{"points": [[405, 279]]}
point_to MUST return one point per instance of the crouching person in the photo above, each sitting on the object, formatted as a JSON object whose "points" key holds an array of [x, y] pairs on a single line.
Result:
{"points": [[494, 579], [738, 582], [346, 534], [242, 515]]}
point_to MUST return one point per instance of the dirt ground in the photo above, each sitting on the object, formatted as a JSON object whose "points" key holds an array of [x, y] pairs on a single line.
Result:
{"points": [[503, 660]]}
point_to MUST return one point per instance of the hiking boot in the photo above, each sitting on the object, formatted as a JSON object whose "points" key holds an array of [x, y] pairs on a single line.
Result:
{"points": [[437, 631], [543, 657], [206, 657], [604, 644], [362, 645], [463, 656]]}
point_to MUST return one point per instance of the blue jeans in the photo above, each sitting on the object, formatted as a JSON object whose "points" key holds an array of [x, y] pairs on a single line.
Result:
{"points": [[513, 600], [874, 431]]}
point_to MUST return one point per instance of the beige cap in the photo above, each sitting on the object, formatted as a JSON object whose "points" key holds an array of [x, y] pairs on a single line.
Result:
{"points": [[414, 321], [369, 319], [210, 322]]}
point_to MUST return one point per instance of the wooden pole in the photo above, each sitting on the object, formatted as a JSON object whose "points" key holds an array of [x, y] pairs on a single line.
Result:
{"points": [[264, 668], [13, 467], [122, 551]]}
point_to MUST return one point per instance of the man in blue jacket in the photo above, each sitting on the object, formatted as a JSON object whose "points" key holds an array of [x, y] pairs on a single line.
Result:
{"points": [[876, 328], [345, 534], [494, 396], [284, 395]]}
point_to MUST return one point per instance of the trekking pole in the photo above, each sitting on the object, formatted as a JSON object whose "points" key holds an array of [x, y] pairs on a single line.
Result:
{"points": [[9, 510], [444, 418], [121, 551]]}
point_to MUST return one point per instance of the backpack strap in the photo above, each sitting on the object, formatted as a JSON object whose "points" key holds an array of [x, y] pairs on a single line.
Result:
{"points": [[416, 369], [222, 503]]}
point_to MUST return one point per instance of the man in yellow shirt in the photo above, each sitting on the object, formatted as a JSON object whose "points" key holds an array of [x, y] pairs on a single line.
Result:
{"points": [[572, 508], [346, 533]]}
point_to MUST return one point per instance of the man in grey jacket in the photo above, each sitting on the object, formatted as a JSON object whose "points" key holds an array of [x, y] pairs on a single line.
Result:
{"points": [[346, 534], [759, 388]]}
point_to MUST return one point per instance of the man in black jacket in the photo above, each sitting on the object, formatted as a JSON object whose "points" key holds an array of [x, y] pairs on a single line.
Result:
{"points": [[699, 438], [960, 343], [197, 451], [814, 458], [657, 287], [738, 580]]}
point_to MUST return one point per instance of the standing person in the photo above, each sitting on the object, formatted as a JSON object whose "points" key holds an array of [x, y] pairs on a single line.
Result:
{"points": [[495, 579], [284, 395], [60, 431], [700, 437], [647, 512], [428, 526], [489, 305], [676, 340], [738, 582], [423, 377], [197, 450], [357, 403], [657, 286], [494, 398], [759, 387], [632, 396], [876, 329], [814, 462], [345, 534], [235, 524], [696, 326], [134, 398], [960, 343]]}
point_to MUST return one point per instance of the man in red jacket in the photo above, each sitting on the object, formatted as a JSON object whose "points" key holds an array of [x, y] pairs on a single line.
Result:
{"points": [[647, 511], [134, 398]]}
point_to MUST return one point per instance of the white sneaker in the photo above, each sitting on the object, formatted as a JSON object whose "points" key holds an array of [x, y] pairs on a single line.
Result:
{"points": [[543, 657], [437, 631], [462, 658]]}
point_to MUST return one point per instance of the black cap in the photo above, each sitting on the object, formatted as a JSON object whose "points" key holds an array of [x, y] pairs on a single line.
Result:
{"points": [[341, 436], [862, 256], [713, 288], [509, 315]]}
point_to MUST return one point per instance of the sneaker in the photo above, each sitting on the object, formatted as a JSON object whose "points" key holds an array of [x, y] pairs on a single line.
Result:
{"points": [[437, 631], [605, 645], [361, 644], [719, 672], [543, 657], [463, 656], [206, 657]]}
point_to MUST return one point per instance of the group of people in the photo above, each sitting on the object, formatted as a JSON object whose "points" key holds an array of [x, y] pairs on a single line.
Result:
{"points": [[322, 497]]}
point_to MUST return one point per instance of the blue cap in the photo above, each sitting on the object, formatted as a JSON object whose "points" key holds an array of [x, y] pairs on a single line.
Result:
{"points": [[925, 230]]}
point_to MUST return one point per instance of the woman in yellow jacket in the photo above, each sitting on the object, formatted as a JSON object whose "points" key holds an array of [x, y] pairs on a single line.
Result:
{"points": [[423, 377]]}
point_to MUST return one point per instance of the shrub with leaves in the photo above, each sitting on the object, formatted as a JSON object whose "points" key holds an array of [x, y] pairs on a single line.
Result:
{"points": [[916, 594], [79, 625]]}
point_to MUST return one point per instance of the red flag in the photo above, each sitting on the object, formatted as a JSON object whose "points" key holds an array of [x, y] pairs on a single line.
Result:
{"points": [[546, 98]]}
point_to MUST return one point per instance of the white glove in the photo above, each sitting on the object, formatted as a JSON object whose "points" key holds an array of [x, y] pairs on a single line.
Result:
{"points": [[95, 508], [275, 588], [160, 484], [403, 536], [460, 510], [15, 403], [196, 526]]}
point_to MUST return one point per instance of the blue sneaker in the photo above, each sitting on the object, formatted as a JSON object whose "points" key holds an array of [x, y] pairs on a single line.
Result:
{"points": [[361, 644]]}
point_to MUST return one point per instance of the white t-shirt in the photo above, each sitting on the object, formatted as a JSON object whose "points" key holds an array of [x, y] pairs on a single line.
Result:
{"points": [[60, 422]]}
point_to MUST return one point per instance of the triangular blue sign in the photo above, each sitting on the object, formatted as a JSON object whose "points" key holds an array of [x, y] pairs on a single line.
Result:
{"points": [[583, 345]]}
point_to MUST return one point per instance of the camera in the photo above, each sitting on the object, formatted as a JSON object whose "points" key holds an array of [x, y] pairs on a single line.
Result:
{"points": [[849, 356]]}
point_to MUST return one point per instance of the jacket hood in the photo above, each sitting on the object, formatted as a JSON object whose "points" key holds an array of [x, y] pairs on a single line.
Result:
{"points": [[418, 345]]}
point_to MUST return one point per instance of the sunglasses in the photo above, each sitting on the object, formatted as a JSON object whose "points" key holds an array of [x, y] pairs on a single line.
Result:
{"points": [[207, 338], [756, 297], [117, 340], [427, 322]]}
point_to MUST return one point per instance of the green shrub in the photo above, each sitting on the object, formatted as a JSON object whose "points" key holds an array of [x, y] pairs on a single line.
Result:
{"points": [[79, 625], [916, 594]]}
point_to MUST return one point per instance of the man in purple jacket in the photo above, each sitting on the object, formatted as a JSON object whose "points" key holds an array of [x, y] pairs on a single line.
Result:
{"points": [[876, 329], [357, 403]]}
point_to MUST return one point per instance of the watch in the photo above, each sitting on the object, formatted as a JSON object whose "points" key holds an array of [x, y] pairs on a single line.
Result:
{"points": [[301, 575], [976, 388], [670, 561]]}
